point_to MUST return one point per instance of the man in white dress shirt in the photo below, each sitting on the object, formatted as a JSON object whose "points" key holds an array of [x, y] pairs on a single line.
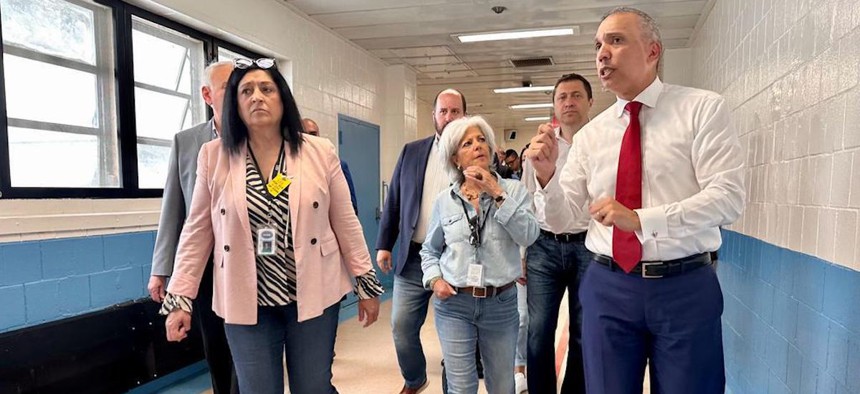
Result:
{"points": [[664, 170]]}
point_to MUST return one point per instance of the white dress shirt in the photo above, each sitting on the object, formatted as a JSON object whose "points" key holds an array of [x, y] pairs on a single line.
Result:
{"points": [[435, 181], [692, 173], [577, 226]]}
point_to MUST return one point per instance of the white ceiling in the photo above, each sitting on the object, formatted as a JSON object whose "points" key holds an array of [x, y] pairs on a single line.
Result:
{"points": [[419, 33]]}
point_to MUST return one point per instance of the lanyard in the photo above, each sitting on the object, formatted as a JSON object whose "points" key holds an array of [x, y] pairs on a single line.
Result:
{"points": [[269, 197], [477, 230]]}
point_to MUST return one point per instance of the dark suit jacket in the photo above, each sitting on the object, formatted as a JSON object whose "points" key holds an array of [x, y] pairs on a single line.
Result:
{"points": [[404, 200], [176, 200]]}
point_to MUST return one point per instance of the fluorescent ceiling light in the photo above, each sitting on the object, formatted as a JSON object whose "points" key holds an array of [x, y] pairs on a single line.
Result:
{"points": [[524, 89], [537, 118], [514, 34], [531, 106]]}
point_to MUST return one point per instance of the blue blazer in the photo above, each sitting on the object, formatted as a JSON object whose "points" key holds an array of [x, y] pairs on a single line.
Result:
{"points": [[404, 200]]}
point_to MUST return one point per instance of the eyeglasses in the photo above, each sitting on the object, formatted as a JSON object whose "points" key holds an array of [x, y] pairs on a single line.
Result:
{"points": [[475, 236], [263, 63]]}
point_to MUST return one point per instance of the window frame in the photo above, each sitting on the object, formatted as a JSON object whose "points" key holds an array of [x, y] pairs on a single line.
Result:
{"points": [[122, 99]]}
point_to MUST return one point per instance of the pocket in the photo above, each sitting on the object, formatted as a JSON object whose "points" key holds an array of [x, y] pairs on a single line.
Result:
{"points": [[455, 228], [329, 246], [508, 295]]}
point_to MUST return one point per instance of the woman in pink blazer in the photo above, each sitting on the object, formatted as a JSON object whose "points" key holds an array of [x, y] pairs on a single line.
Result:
{"points": [[275, 206]]}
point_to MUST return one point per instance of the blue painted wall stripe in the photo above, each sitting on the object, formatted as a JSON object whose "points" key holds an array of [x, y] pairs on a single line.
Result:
{"points": [[791, 321]]}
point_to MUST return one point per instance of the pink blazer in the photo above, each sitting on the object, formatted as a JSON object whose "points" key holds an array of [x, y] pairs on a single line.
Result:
{"points": [[328, 239]]}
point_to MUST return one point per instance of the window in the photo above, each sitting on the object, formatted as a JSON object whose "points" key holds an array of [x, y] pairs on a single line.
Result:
{"points": [[168, 68], [86, 116], [58, 66]]}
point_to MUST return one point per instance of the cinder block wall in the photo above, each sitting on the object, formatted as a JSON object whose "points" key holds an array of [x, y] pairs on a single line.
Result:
{"points": [[789, 70]]}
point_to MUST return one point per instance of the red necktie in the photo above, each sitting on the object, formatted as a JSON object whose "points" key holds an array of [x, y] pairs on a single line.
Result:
{"points": [[626, 249]]}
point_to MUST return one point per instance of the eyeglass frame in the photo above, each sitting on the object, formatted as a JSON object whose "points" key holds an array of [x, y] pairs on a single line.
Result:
{"points": [[263, 63]]}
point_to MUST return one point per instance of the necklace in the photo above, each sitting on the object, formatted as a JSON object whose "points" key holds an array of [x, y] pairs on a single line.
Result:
{"points": [[471, 194]]}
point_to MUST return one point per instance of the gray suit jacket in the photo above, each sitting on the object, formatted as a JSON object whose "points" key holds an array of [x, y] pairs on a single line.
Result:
{"points": [[176, 201]]}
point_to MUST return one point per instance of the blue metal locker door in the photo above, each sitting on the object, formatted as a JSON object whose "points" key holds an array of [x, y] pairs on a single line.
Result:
{"points": [[359, 148]]}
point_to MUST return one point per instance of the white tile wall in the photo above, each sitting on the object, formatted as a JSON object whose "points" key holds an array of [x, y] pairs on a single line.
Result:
{"points": [[789, 69], [328, 75]]}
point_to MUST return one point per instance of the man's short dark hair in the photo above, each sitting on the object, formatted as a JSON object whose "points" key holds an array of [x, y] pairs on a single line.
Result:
{"points": [[462, 97], [572, 77], [511, 152]]}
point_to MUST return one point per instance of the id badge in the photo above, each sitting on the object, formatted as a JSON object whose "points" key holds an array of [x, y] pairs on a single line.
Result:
{"points": [[266, 245], [278, 184], [475, 276]]}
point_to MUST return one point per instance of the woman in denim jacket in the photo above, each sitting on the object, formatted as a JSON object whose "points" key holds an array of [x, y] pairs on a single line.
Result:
{"points": [[471, 259]]}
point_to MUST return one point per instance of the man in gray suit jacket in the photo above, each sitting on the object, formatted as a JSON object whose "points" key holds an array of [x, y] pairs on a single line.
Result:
{"points": [[175, 204]]}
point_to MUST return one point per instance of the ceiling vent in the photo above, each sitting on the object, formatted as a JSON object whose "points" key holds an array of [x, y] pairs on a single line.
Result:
{"points": [[532, 62]]}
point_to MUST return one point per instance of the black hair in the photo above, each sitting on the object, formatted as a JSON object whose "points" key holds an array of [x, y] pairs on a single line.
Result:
{"points": [[462, 97], [573, 77], [511, 152], [235, 132]]}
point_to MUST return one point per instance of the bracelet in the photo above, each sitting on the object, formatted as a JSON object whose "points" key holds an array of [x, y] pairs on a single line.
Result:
{"points": [[433, 281]]}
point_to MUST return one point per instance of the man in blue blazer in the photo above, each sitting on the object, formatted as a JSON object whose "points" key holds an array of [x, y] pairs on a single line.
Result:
{"points": [[418, 177]]}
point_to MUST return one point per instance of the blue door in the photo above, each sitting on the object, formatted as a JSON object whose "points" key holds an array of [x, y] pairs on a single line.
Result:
{"points": [[359, 148]]}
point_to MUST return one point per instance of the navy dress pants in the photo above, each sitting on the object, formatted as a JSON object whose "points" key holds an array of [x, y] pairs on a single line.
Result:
{"points": [[672, 322]]}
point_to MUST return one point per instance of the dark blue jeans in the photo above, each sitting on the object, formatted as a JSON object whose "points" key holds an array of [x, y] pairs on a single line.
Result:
{"points": [[554, 267], [308, 346]]}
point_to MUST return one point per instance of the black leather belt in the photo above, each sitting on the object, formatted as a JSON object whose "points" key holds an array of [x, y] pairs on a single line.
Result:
{"points": [[486, 291], [660, 269], [565, 237]]}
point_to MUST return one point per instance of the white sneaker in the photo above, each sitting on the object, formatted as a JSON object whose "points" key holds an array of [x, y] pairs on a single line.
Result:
{"points": [[521, 383]]}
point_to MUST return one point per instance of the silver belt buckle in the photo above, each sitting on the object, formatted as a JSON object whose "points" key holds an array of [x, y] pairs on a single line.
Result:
{"points": [[645, 270], [479, 294]]}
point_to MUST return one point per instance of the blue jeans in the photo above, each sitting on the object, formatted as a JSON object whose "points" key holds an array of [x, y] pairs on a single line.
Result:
{"points": [[308, 346], [554, 267], [462, 321], [408, 313]]}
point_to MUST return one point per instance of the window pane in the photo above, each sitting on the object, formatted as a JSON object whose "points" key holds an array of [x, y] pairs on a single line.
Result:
{"points": [[158, 115], [49, 93], [53, 27], [152, 165], [226, 54], [41, 158], [160, 56]]}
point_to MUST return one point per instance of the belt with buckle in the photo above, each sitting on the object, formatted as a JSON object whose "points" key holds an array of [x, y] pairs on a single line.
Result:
{"points": [[659, 269], [565, 237], [485, 291]]}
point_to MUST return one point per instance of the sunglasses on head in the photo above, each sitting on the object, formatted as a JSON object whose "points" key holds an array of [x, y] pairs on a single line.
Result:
{"points": [[263, 63]]}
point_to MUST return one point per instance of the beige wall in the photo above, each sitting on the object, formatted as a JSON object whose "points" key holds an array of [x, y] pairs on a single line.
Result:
{"points": [[789, 70]]}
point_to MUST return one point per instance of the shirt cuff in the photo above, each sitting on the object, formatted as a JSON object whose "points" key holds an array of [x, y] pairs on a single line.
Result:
{"points": [[174, 302], [367, 286], [430, 273], [654, 223]]}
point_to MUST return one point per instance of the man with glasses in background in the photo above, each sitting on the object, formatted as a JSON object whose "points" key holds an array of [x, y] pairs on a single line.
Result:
{"points": [[175, 205]]}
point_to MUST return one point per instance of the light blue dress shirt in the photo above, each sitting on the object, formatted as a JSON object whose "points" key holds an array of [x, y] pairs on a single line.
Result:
{"points": [[447, 251]]}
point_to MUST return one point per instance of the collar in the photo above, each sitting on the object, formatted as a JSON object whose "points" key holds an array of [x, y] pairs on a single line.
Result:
{"points": [[647, 97], [215, 133]]}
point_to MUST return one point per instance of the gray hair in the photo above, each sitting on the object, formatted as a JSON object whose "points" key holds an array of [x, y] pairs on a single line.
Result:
{"points": [[646, 22], [449, 143], [207, 72]]}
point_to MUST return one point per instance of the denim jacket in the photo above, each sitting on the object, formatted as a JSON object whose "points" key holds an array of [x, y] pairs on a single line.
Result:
{"points": [[447, 251]]}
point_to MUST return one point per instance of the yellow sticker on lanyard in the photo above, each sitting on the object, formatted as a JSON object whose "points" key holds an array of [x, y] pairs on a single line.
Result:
{"points": [[278, 184]]}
